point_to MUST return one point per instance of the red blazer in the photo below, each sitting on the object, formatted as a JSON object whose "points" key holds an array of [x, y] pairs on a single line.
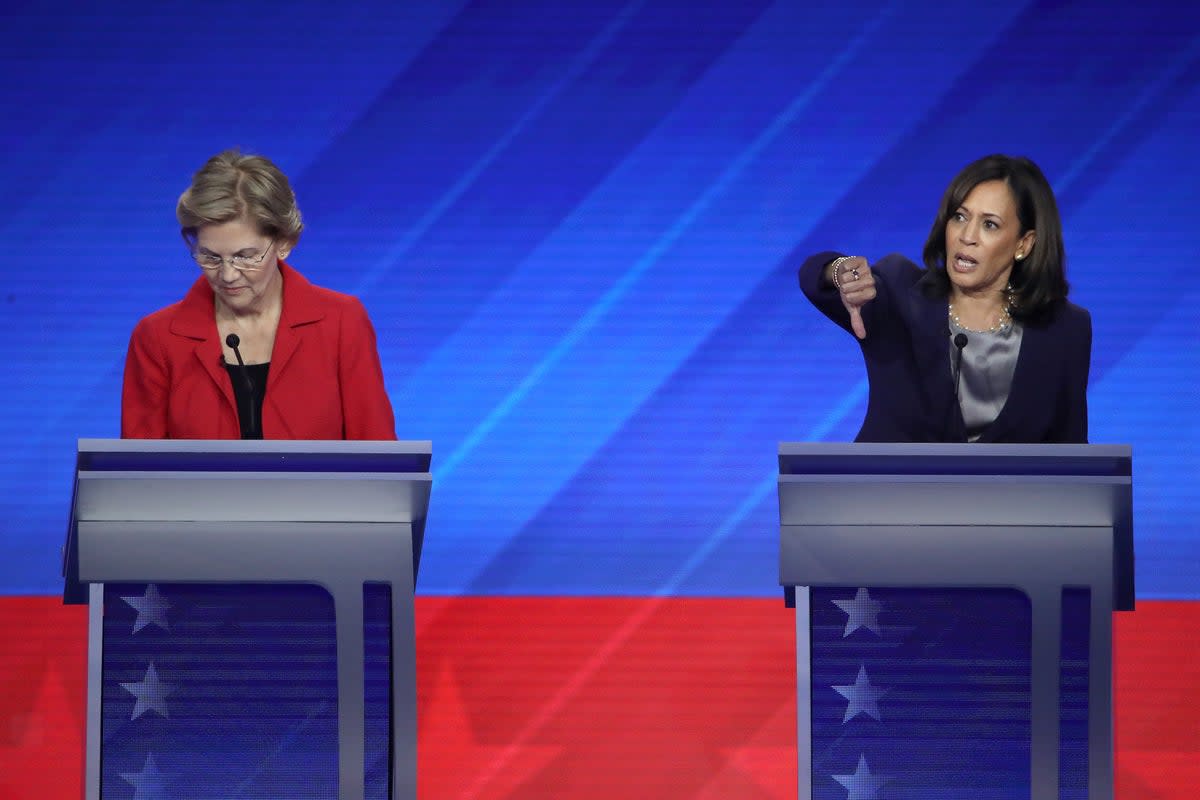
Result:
{"points": [[325, 380]]}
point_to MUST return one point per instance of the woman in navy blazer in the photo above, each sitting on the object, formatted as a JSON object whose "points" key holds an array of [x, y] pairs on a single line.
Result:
{"points": [[981, 344], [253, 350]]}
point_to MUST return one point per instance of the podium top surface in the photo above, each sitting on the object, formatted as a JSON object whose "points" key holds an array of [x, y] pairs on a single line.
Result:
{"points": [[823, 486], [207, 455], [1085, 460], [238, 481], [250, 488]]}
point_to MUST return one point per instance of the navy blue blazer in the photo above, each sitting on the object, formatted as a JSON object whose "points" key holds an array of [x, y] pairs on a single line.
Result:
{"points": [[907, 354]]}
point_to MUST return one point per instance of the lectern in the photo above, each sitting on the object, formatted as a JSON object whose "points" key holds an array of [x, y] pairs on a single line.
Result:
{"points": [[341, 520], [953, 615]]}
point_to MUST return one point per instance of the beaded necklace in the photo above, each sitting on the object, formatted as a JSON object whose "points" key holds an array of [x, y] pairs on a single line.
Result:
{"points": [[1003, 322]]}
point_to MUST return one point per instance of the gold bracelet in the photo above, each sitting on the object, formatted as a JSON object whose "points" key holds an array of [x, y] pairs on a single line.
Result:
{"points": [[837, 268]]}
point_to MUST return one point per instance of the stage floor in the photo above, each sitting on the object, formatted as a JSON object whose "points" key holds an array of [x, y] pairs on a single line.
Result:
{"points": [[602, 698]]}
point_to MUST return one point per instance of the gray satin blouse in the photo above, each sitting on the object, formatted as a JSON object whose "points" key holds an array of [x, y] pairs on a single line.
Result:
{"points": [[988, 363]]}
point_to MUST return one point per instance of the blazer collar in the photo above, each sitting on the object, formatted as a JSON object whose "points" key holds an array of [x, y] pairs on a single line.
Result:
{"points": [[301, 306], [1031, 358], [932, 329], [933, 354], [931, 343], [196, 320]]}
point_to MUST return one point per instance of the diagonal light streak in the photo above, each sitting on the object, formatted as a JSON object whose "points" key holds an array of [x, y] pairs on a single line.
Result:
{"points": [[578, 64], [1150, 92], [665, 241], [858, 392], [757, 494], [627, 629], [284, 743]]}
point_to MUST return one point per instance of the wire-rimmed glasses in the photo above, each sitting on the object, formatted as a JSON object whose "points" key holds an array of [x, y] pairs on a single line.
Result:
{"points": [[210, 262]]}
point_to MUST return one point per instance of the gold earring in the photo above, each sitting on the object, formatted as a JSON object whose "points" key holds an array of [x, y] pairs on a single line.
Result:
{"points": [[1020, 256]]}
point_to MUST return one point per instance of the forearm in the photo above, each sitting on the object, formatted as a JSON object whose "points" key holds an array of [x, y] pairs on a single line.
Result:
{"points": [[828, 274]]}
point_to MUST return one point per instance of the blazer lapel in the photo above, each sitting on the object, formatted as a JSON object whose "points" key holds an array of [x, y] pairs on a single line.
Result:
{"points": [[301, 307], [1028, 357], [195, 321], [931, 345]]}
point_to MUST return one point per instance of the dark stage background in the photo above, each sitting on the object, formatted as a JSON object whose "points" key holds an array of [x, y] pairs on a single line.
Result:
{"points": [[576, 228]]}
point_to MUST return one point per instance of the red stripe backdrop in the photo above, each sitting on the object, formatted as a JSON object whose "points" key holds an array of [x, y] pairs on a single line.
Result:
{"points": [[601, 698]]}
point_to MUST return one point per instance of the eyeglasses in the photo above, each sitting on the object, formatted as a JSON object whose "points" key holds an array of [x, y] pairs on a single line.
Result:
{"points": [[212, 261]]}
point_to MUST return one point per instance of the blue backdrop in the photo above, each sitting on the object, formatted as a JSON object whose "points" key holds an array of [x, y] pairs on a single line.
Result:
{"points": [[576, 227]]}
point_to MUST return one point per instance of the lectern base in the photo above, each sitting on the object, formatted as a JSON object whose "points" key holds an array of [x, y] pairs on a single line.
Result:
{"points": [[927, 693], [231, 691]]}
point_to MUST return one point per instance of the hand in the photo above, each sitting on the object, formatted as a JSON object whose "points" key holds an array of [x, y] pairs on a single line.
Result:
{"points": [[852, 277]]}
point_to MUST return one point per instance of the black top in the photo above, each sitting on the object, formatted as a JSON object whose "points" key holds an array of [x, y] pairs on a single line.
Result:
{"points": [[249, 388]]}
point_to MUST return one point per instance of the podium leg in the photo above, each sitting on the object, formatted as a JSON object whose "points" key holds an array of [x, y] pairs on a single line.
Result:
{"points": [[95, 678], [804, 692], [348, 613], [1101, 746], [404, 689], [1045, 669]]}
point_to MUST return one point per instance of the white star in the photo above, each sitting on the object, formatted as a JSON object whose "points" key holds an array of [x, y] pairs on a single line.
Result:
{"points": [[861, 612], [151, 608], [147, 784], [862, 785], [862, 696], [151, 693]]}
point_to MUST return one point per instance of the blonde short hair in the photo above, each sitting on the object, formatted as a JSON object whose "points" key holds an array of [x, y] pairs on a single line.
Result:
{"points": [[233, 186]]}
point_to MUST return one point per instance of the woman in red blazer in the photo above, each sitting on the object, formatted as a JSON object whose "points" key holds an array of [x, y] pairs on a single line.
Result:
{"points": [[253, 350]]}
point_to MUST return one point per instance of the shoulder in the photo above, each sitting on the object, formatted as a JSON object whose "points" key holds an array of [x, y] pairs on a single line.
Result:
{"points": [[151, 335], [333, 315], [1080, 322], [338, 302], [1067, 329], [900, 276], [195, 306], [1067, 317], [898, 268], [159, 320], [1077, 314], [308, 301]]}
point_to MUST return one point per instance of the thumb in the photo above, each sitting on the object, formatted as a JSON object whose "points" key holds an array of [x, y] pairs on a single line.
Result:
{"points": [[856, 322]]}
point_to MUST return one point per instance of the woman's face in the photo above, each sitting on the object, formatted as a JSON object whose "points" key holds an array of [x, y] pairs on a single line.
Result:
{"points": [[240, 290], [983, 238]]}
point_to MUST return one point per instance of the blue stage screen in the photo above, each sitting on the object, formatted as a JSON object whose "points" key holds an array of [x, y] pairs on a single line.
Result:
{"points": [[576, 228]]}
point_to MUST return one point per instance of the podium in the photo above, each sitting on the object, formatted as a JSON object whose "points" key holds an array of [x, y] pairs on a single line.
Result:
{"points": [[1045, 529], [344, 516]]}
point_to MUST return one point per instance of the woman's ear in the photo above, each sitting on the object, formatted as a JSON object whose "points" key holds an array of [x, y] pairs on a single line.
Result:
{"points": [[1026, 243]]}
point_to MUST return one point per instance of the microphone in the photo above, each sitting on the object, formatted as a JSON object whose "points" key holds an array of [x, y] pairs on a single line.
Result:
{"points": [[960, 341], [233, 341]]}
